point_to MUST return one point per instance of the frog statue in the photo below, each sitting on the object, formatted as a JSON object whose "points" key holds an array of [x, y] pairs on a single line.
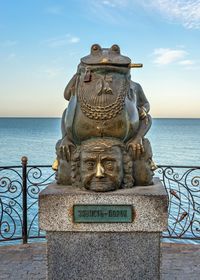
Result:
{"points": [[103, 146]]}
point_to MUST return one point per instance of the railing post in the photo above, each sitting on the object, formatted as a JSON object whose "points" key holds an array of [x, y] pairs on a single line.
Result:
{"points": [[24, 161]]}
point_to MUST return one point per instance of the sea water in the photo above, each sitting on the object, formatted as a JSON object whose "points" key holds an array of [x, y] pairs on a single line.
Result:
{"points": [[174, 141], [31, 137]]}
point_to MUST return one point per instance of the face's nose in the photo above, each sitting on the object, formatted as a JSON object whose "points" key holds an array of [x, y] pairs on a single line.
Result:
{"points": [[99, 171], [153, 166]]}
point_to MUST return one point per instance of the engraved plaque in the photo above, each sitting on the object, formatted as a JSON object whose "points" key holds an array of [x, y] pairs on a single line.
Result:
{"points": [[94, 213]]}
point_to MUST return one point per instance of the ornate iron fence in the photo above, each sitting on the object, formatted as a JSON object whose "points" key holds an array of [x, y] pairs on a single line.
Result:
{"points": [[183, 187], [19, 190], [20, 186]]}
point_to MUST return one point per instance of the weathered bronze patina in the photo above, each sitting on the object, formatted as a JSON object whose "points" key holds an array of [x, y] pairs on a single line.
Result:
{"points": [[103, 146]]}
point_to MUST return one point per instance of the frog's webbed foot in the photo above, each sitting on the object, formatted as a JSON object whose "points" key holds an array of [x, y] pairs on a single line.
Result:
{"points": [[65, 150], [135, 148], [142, 113]]}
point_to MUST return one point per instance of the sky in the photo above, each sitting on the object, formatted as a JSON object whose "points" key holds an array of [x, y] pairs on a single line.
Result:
{"points": [[42, 41]]}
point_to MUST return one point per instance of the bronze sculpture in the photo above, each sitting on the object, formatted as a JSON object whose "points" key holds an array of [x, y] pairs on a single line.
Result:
{"points": [[103, 146]]}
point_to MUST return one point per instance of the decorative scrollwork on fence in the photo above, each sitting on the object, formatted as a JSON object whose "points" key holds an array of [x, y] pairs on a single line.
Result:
{"points": [[10, 203], [183, 187], [37, 179], [13, 180]]}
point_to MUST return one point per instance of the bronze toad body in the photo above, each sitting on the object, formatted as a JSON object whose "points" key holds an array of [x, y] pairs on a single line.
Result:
{"points": [[103, 103]]}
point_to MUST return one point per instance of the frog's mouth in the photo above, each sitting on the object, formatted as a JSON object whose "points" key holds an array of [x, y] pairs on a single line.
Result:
{"points": [[103, 68]]}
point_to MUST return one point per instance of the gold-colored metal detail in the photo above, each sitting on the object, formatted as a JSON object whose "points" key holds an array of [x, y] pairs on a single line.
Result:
{"points": [[135, 65], [153, 166], [104, 60], [55, 165], [103, 112], [99, 170]]}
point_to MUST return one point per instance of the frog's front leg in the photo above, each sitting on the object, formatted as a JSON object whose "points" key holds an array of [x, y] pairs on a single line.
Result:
{"points": [[65, 148], [135, 148], [135, 144]]}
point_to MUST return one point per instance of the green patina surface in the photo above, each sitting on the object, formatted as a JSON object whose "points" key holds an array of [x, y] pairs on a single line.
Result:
{"points": [[103, 213]]}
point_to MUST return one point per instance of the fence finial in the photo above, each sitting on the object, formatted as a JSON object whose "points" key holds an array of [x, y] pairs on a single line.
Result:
{"points": [[24, 160]]}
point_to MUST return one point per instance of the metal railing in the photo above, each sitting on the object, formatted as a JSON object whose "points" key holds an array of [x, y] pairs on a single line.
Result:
{"points": [[183, 187], [19, 190], [20, 187]]}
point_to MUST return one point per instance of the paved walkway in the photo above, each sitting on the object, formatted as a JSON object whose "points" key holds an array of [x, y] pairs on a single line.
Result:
{"points": [[180, 262], [28, 262]]}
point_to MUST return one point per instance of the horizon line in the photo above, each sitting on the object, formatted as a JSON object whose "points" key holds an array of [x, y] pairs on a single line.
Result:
{"points": [[53, 117]]}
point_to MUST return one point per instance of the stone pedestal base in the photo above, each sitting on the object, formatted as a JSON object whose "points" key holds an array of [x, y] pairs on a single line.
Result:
{"points": [[103, 250], [106, 256]]}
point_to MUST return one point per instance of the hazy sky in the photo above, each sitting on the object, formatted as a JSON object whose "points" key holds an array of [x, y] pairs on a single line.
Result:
{"points": [[42, 41]]}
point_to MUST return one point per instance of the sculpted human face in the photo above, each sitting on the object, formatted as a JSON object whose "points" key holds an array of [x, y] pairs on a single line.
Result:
{"points": [[101, 170]]}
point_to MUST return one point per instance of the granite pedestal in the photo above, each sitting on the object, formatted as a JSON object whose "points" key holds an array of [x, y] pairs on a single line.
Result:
{"points": [[103, 250]]}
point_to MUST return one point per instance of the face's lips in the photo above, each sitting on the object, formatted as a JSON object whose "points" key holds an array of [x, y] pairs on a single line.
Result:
{"points": [[101, 180], [102, 185]]}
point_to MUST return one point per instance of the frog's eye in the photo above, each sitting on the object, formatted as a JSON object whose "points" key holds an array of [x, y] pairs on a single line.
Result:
{"points": [[115, 48], [95, 48]]}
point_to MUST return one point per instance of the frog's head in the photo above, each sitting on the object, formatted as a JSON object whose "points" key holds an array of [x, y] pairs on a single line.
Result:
{"points": [[104, 61], [106, 57]]}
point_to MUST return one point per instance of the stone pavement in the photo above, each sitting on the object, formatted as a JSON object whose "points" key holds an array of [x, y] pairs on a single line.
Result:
{"points": [[28, 262], [180, 261], [23, 262]]}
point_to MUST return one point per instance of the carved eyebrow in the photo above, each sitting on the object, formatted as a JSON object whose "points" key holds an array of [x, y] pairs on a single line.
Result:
{"points": [[108, 158], [90, 159]]}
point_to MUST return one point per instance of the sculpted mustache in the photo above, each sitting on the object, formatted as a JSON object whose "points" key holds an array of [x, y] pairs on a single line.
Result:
{"points": [[89, 178]]}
